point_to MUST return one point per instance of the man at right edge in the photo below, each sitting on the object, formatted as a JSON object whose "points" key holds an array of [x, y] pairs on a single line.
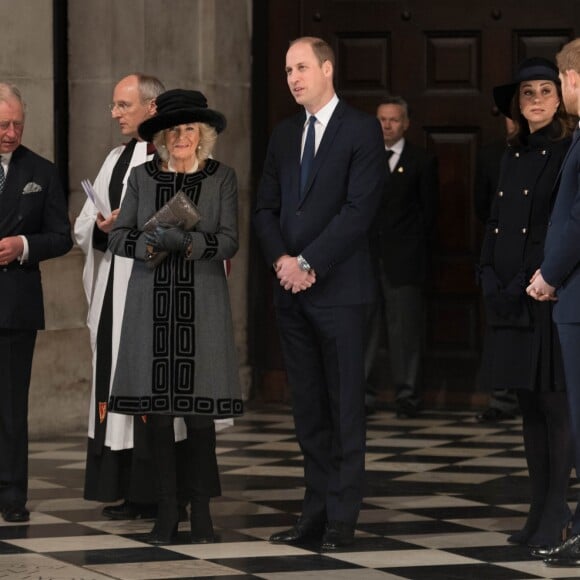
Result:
{"points": [[558, 278]]}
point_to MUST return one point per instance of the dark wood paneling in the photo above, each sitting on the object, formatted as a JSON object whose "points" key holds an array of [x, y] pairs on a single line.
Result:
{"points": [[444, 58]]}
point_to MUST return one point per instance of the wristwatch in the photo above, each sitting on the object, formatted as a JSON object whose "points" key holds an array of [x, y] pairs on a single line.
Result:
{"points": [[303, 264]]}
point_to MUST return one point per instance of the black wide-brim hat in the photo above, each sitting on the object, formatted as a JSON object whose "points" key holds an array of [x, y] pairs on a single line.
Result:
{"points": [[531, 69], [177, 107]]}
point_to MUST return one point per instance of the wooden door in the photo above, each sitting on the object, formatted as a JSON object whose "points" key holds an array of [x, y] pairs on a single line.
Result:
{"points": [[443, 57]]}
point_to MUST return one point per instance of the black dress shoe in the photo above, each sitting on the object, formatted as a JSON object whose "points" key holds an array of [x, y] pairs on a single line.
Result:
{"points": [[541, 552], [337, 535], [130, 511], [406, 409], [493, 415], [14, 514], [303, 529], [566, 554]]}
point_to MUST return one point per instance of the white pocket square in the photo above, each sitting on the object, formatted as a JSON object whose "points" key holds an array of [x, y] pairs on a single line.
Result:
{"points": [[31, 187]]}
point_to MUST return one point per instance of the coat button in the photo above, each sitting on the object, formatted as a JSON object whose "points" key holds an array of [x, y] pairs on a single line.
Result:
{"points": [[496, 231], [524, 230], [543, 151], [517, 155], [500, 193], [526, 191]]}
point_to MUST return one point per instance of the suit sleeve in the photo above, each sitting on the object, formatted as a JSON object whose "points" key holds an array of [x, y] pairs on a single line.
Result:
{"points": [[268, 206], [564, 256]]}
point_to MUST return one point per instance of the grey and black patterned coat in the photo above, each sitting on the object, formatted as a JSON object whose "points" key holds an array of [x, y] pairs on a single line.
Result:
{"points": [[177, 354]]}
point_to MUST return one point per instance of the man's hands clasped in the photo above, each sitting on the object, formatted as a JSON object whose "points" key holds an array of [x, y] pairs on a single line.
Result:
{"points": [[291, 276]]}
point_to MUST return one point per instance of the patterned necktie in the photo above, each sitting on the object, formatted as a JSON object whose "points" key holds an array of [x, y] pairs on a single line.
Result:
{"points": [[2, 176], [308, 153]]}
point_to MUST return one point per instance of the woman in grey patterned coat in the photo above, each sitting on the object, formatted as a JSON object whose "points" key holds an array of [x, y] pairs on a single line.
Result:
{"points": [[177, 355]]}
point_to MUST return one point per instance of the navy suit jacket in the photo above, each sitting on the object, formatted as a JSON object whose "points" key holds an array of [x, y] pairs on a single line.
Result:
{"points": [[32, 204], [328, 223], [561, 265]]}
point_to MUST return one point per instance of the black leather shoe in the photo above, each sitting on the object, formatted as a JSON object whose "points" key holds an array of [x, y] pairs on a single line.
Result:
{"points": [[406, 409], [493, 415], [541, 552], [566, 554], [130, 511], [303, 529], [337, 535], [14, 514]]}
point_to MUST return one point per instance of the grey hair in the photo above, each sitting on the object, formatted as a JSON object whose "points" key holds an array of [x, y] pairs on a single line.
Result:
{"points": [[395, 100], [9, 91], [150, 87], [207, 139]]}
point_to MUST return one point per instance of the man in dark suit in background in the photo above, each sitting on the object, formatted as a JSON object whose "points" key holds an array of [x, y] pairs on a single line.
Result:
{"points": [[503, 403], [402, 237], [558, 278], [313, 213], [34, 226]]}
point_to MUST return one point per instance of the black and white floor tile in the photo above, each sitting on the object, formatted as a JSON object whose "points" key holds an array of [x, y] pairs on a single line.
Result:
{"points": [[443, 494]]}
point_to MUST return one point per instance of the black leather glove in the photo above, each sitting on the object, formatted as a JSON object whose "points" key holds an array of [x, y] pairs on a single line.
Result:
{"points": [[169, 239]]}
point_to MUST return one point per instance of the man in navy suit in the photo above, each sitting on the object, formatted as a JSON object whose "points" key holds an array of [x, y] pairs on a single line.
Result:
{"points": [[321, 186], [402, 238], [34, 226], [558, 278]]}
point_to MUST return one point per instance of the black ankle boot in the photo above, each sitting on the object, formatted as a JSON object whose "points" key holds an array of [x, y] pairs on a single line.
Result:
{"points": [[201, 524], [165, 529]]}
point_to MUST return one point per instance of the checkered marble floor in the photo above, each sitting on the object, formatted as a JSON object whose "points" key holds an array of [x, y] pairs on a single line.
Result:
{"points": [[443, 493]]}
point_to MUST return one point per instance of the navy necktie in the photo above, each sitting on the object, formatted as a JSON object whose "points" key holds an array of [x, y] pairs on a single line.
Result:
{"points": [[2, 176], [308, 153]]}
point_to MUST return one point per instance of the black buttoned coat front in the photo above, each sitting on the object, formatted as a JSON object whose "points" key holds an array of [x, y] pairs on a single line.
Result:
{"points": [[525, 346]]}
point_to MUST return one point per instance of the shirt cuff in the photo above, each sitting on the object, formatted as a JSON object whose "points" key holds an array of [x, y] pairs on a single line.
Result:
{"points": [[24, 257]]}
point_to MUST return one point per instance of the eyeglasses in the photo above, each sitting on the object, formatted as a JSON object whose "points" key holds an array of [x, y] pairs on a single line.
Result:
{"points": [[121, 106]]}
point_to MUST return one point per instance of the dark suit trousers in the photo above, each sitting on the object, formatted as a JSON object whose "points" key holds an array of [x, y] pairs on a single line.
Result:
{"points": [[404, 308], [16, 350], [324, 353], [570, 343]]}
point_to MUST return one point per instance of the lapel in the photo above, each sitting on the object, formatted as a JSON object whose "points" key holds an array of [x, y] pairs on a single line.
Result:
{"points": [[324, 148], [10, 197]]}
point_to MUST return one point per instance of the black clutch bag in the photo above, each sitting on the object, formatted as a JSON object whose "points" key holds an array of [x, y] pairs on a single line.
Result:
{"points": [[180, 212]]}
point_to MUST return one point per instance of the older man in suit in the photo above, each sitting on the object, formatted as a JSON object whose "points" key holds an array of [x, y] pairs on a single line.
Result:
{"points": [[34, 226], [558, 278], [403, 234], [322, 182]]}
